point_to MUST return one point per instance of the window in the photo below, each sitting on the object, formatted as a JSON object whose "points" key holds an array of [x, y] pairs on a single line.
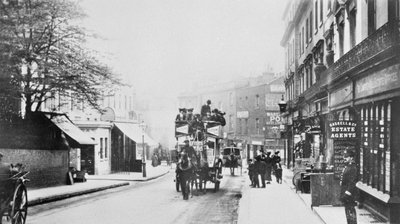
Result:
{"points": [[246, 127], [311, 28], [101, 148], [105, 147], [239, 126], [375, 145], [341, 38], [257, 126], [293, 51], [119, 101], [257, 103], [371, 16], [352, 24], [302, 39], [230, 122], [316, 14], [126, 102], [329, 6], [321, 11], [307, 32]]}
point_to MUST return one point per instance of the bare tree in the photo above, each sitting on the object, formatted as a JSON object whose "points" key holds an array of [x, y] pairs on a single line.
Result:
{"points": [[42, 54]]}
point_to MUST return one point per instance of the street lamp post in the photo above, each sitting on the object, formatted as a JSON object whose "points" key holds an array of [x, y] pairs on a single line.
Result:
{"points": [[143, 126]]}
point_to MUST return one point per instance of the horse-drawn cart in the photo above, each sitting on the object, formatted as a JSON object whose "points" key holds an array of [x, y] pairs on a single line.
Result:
{"points": [[14, 198]]}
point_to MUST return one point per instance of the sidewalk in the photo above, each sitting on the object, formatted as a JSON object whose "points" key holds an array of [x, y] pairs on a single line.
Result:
{"points": [[151, 173], [94, 183], [331, 214], [254, 206]]}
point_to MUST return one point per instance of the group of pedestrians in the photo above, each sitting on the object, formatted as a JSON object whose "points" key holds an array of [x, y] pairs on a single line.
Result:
{"points": [[262, 166]]}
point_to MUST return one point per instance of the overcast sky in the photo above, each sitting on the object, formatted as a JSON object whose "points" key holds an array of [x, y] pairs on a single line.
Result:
{"points": [[160, 45]]}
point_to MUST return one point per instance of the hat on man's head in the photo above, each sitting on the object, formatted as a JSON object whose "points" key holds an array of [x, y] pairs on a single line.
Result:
{"points": [[215, 110], [277, 152], [186, 141], [190, 110], [208, 101], [181, 109]]}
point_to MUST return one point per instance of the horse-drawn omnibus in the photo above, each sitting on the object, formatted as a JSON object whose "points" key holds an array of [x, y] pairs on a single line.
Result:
{"points": [[205, 138]]}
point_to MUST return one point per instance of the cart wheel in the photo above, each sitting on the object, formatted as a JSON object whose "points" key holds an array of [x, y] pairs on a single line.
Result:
{"points": [[19, 209], [296, 180]]}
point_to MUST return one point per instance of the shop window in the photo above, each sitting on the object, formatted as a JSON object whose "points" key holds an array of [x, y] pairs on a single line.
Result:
{"points": [[258, 126], [375, 145], [257, 101], [246, 127], [239, 124], [105, 147], [101, 148]]}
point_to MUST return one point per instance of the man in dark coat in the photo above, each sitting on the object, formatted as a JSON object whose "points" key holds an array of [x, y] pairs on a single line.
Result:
{"points": [[277, 167], [262, 168], [205, 108], [268, 167], [189, 150], [348, 189], [251, 171], [189, 115]]}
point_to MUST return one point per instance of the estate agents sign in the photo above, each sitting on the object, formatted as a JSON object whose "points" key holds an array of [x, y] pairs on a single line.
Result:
{"points": [[344, 130]]}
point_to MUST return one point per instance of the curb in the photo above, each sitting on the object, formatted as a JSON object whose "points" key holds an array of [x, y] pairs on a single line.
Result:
{"points": [[53, 198], [126, 179]]}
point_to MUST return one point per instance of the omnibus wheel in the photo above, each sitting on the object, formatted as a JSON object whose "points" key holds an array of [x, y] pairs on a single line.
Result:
{"points": [[19, 208]]}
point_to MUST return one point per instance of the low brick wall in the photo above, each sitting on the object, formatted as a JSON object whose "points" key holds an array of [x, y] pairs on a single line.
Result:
{"points": [[47, 167]]}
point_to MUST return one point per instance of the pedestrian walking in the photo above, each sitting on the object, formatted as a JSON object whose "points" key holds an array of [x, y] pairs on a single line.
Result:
{"points": [[262, 168], [348, 189], [251, 171], [268, 169], [277, 167], [256, 172]]}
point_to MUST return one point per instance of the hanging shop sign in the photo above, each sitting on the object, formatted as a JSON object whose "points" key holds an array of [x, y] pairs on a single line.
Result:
{"points": [[342, 130]]}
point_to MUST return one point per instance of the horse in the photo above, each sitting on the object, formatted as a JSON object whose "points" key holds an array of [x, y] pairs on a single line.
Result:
{"points": [[186, 173], [202, 172]]}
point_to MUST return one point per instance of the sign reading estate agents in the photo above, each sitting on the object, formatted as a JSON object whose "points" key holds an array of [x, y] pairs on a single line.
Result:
{"points": [[342, 130]]}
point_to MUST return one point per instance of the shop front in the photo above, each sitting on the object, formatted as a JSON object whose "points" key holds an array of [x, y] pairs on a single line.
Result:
{"points": [[377, 102]]}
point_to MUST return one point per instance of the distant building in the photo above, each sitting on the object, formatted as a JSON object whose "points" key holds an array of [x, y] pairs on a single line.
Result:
{"points": [[250, 106], [257, 113]]}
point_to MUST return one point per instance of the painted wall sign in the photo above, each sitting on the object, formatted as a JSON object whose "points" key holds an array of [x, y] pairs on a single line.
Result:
{"points": [[242, 114], [383, 80], [271, 101], [273, 118], [277, 88], [342, 130]]}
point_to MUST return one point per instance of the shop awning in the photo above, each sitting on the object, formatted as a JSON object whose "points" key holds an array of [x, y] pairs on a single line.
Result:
{"points": [[134, 132], [62, 122]]}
